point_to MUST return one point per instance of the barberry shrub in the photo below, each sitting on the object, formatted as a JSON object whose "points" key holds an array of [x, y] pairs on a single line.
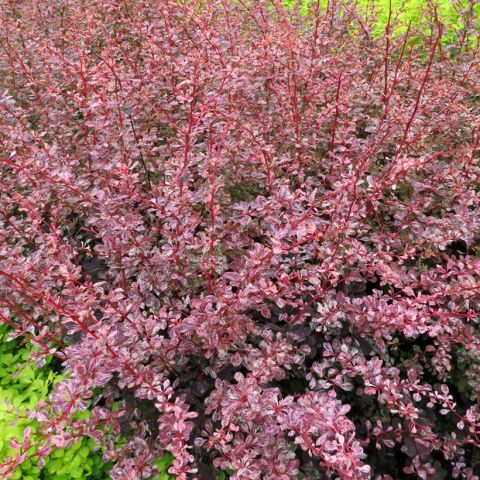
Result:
{"points": [[250, 235], [22, 386]]}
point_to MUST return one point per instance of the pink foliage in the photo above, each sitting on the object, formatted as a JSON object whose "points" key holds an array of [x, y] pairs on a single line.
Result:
{"points": [[251, 237]]}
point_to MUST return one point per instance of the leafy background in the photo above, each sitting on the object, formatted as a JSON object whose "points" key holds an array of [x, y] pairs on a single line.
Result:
{"points": [[23, 384]]}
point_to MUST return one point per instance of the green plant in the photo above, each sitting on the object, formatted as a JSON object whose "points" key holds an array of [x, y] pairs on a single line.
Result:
{"points": [[419, 14], [22, 386], [163, 464]]}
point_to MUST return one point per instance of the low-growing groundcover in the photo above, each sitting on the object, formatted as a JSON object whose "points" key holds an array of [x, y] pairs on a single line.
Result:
{"points": [[249, 234], [22, 387]]}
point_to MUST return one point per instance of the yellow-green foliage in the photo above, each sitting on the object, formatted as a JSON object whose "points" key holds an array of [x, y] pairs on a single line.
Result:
{"points": [[421, 14], [22, 386], [163, 464]]}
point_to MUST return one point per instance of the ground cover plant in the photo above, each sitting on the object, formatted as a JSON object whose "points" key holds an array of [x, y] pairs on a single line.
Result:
{"points": [[248, 233], [22, 386]]}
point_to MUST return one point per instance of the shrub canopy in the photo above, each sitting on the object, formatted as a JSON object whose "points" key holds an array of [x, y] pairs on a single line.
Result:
{"points": [[250, 235]]}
